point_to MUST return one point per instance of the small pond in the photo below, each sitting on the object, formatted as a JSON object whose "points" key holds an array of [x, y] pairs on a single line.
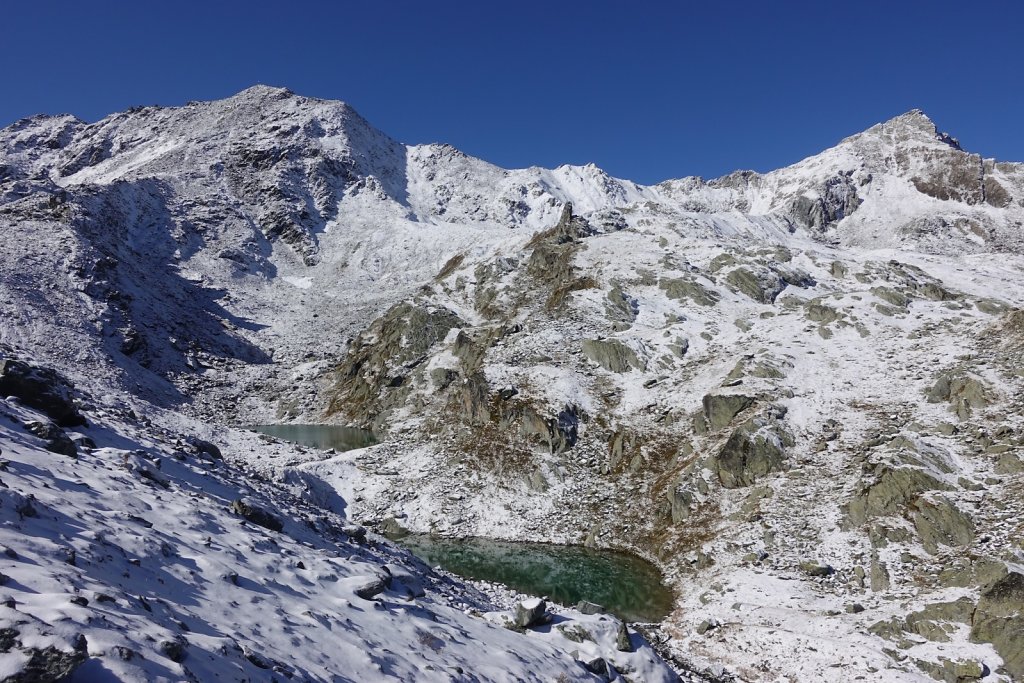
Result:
{"points": [[323, 437], [625, 585]]}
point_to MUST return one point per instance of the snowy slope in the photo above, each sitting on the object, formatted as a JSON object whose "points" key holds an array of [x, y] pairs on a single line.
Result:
{"points": [[132, 561]]}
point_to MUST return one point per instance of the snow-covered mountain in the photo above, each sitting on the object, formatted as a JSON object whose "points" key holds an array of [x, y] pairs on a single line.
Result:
{"points": [[797, 392]]}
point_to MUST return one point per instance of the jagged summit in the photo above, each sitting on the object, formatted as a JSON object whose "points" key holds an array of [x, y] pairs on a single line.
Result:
{"points": [[263, 91], [912, 127], [294, 162]]}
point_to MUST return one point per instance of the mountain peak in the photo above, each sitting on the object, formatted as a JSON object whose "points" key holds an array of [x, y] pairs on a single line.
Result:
{"points": [[913, 125], [263, 92]]}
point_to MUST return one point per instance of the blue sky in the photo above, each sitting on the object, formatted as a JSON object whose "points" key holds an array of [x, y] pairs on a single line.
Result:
{"points": [[646, 90]]}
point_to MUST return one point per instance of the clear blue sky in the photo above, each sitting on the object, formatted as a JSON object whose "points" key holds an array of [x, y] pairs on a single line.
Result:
{"points": [[646, 90]]}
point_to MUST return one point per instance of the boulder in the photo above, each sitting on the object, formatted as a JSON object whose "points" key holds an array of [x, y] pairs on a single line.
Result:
{"points": [[816, 569], [530, 613], [747, 456], [253, 513], [54, 438], [763, 286], [48, 665], [721, 409], [442, 378], [939, 522], [622, 639], [891, 296], [204, 447], [688, 290], [175, 649], [965, 393], [612, 355], [374, 585], [889, 494], [999, 619], [821, 313], [40, 388], [680, 504]]}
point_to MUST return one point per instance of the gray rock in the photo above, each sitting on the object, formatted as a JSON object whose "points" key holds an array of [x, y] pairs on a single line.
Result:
{"points": [[442, 378], [964, 572], [49, 665], [204, 447], [680, 503], [399, 338], [40, 388], [939, 522], [999, 619], [612, 355], [585, 607], [575, 632], [748, 456], [355, 531], [721, 409], [950, 671], [530, 613], [8, 638], [54, 438], [890, 492], [175, 649], [254, 513], [892, 296], [816, 569], [375, 585], [679, 347], [688, 290], [964, 392], [879, 575], [623, 643], [707, 625], [1008, 463], [621, 307], [763, 286], [821, 313]]}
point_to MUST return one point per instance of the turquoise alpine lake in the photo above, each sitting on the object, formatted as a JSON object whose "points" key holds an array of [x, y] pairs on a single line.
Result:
{"points": [[625, 585], [323, 437]]}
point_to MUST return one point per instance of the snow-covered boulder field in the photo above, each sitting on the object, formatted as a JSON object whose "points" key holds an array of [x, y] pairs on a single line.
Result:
{"points": [[138, 554]]}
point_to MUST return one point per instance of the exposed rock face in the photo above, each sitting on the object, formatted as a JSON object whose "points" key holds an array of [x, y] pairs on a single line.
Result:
{"points": [[891, 491], [41, 388], [760, 284], [721, 409], [752, 452], [965, 393], [999, 619], [612, 355], [836, 200], [257, 515], [940, 522], [688, 290], [54, 438], [371, 378]]}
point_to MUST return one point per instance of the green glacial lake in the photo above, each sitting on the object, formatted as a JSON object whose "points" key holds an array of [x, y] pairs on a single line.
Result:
{"points": [[625, 585], [323, 437]]}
